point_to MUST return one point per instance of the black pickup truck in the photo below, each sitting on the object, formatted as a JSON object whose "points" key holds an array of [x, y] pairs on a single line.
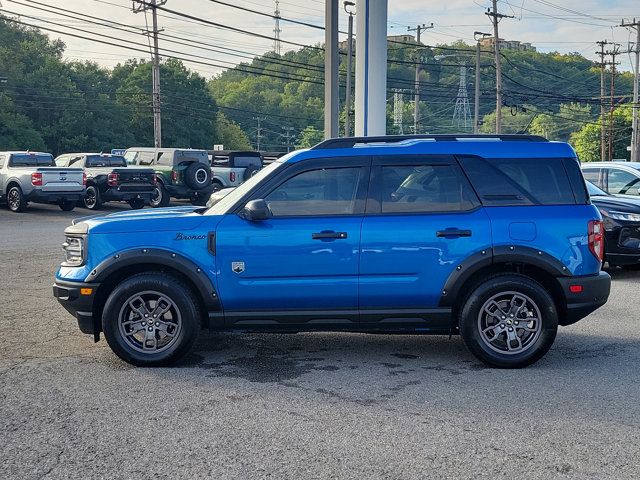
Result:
{"points": [[109, 179]]}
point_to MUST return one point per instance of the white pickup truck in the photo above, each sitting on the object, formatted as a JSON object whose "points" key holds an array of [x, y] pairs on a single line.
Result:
{"points": [[33, 177]]}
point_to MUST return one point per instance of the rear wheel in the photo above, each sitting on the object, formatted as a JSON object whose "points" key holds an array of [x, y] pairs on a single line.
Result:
{"points": [[92, 199], [67, 206], [509, 321], [151, 319], [160, 196], [16, 200]]}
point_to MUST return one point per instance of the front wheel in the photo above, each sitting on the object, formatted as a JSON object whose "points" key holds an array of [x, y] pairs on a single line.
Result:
{"points": [[151, 319], [92, 199], [509, 321], [67, 206]]}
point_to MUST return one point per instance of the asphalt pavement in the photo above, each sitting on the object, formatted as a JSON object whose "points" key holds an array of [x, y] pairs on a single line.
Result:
{"points": [[300, 406]]}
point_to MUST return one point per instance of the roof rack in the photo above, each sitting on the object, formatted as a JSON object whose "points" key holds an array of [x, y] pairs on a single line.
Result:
{"points": [[350, 142]]}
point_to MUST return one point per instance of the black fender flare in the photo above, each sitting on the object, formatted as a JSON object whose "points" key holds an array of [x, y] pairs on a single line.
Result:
{"points": [[159, 257], [502, 254]]}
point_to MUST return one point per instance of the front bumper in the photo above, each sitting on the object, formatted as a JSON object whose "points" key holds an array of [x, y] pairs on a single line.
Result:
{"points": [[38, 196], [78, 299], [594, 294]]}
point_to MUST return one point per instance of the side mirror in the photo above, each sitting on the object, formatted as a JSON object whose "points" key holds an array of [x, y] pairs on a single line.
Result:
{"points": [[256, 210]]}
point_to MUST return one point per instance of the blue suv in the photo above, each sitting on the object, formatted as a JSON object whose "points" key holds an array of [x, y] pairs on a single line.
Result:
{"points": [[490, 237]]}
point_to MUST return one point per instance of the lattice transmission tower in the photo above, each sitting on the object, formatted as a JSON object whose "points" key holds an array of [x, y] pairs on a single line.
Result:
{"points": [[462, 112], [276, 30]]}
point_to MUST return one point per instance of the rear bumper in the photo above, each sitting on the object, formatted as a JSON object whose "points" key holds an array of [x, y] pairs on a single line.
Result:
{"points": [[115, 195], [38, 196], [78, 299], [182, 191], [594, 294]]}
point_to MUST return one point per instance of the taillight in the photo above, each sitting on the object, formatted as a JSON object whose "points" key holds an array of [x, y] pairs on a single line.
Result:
{"points": [[232, 176], [174, 175], [596, 238], [36, 179], [154, 179], [84, 179], [112, 179]]}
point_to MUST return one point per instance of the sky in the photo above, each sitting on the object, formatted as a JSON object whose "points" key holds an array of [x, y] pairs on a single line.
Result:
{"points": [[558, 25]]}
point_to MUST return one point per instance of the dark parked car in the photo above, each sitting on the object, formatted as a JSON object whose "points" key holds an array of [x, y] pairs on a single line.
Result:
{"points": [[109, 179], [621, 218]]}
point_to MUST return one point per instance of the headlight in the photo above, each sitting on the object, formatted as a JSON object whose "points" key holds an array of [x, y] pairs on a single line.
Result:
{"points": [[74, 251], [629, 217]]}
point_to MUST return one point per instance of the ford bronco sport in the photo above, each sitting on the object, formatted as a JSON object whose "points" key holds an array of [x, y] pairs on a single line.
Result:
{"points": [[490, 237]]}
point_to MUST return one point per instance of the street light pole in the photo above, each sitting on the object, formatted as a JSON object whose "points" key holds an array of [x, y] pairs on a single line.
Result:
{"points": [[347, 100], [476, 103]]}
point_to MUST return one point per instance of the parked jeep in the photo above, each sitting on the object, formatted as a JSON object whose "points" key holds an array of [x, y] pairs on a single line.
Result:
{"points": [[181, 173], [232, 167], [33, 177], [490, 237], [109, 179]]}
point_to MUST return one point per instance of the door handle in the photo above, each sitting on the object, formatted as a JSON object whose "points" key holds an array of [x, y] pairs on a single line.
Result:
{"points": [[453, 232], [328, 235]]}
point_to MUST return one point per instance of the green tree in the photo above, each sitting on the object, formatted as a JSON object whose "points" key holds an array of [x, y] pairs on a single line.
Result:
{"points": [[229, 134], [16, 130], [586, 141], [309, 137], [561, 125], [514, 120]]}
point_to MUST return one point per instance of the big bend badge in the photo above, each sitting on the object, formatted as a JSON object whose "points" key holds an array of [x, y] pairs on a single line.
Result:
{"points": [[237, 267]]}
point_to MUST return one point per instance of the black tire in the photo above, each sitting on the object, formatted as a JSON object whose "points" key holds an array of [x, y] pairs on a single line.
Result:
{"points": [[15, 199], [216, 186], [537, 302], [250, 172], [634, 267], [118, 318], [160, 197], [92, 199], [67, 206], [136, 203], [197, 176], [199, 200]]}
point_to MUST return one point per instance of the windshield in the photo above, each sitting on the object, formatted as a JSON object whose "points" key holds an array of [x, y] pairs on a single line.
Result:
{"points": [[595, 191], [221, 207]]}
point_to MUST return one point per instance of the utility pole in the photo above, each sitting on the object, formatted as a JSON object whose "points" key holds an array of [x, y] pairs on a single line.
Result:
{"points": [[331, 64], [288, 136], [495, 19], [476, 102], [613, 53], [258, 132], [143, 6], [603, 64], [277, 30], [347, 100], [416, 98], [635, 132]]}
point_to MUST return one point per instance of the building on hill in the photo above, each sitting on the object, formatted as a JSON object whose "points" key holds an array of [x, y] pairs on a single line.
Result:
{"points": [[507, 44]]}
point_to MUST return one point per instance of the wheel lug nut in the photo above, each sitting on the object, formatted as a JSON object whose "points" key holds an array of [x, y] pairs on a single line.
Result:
{"points": [[502, 325], [503, 317], [511, 315], [511, 329], [516, 322], [146, 315], [151, 329], [157, 324]]}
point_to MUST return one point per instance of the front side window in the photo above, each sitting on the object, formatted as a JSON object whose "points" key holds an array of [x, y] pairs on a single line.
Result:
{"points": [[325, 191], [146, 158], [131, 157], [592, 175], [424, 189], [621, 182]]}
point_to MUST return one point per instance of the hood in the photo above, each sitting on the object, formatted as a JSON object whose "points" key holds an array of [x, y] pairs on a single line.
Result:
{"points": [[147, 220], [619, 204]]}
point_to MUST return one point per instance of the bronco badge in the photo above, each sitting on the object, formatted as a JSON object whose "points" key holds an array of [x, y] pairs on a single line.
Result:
{"points": [[237, 267]]}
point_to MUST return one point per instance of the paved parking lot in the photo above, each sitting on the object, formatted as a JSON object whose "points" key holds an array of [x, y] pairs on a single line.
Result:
{"points": [[306, 405]]}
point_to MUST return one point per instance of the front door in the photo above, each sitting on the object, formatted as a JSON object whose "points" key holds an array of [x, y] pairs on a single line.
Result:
{"points": [[423, 219], [301, 265]]}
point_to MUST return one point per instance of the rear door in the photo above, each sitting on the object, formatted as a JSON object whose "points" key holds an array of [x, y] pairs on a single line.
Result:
{"points": [[301, 265], [422, 221], [622, 182]]}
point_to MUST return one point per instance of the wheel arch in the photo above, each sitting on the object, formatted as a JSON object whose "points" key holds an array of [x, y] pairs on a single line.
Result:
{"points": [[109, 273], [13, 182], [526, 261]]}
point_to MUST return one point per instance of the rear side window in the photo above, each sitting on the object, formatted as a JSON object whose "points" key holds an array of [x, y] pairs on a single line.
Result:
{"points": [[131, 157], [105, 161], [146, 158], [519, 181], [192, 156], [593, 175], [621, 182], [31, 160], [424, 189]]}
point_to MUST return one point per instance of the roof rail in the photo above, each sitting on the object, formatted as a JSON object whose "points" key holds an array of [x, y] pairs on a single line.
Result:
{"points": [[350, 142]]}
